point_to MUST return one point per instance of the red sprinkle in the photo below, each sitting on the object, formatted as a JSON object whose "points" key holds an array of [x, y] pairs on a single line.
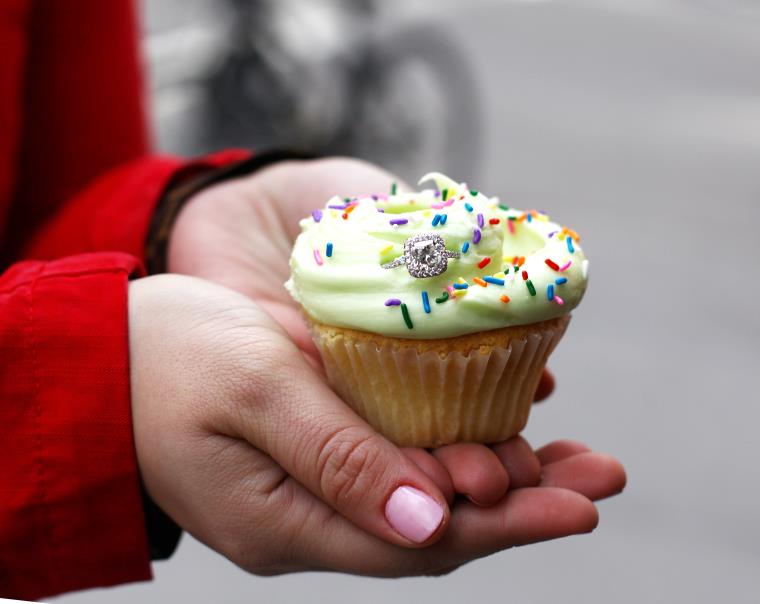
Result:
{"points": [[525, 275], [483, 263], [504, 298], [345, 215], [480, 281], [494, 221], [551, 264]]}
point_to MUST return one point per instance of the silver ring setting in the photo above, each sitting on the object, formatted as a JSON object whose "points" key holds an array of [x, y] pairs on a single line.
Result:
{"points": [[425, 255]]}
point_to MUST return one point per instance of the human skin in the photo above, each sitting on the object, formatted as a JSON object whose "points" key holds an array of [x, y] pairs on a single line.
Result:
{"points": [[240, 440]]}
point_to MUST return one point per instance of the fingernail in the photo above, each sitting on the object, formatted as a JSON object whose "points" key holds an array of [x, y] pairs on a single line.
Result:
{"points": [[413, 514]]}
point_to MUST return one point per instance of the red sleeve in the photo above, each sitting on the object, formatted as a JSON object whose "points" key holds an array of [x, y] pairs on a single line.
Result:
{"points": [[114, 212], [70, 507]]}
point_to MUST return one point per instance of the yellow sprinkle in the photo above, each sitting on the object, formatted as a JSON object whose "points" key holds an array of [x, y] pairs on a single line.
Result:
{"points": [[499, 275], [386, 249], [426, 213], [507, 259], [460, 292], [460, 280], [334, 213]]}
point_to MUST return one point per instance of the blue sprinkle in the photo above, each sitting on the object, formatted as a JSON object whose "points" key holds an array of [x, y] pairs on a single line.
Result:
{"points": [[328, 250], [443, 218], [550, 292], [436, 219], [570, 247], [468, 207], [530, 217], [460, 286], [425, 302], [561, 280], [465, 247], [493, 280]]}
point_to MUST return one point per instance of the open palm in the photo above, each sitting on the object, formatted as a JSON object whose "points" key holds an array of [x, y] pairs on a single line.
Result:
{"points": [[240, 233]]}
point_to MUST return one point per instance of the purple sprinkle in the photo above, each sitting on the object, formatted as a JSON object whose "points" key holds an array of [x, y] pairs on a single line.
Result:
{"points": [[476, 236], [375, 197], [393, 302], [337, 207], [552, 234], [317, 215], [399, 221], [481, 222], [437, 193], [381, 210]]}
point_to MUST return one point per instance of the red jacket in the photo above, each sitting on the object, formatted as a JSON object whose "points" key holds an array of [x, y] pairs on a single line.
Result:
{"points": [[77, 190]]}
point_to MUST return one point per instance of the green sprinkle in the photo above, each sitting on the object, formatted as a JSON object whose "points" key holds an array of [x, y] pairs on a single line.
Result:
{"points": [[517, 269], [394, 187], [442, 298], [473, 192], [407, 318], [347, 200], [503, 207], [531, 289], [512, 217], [444, 194]]}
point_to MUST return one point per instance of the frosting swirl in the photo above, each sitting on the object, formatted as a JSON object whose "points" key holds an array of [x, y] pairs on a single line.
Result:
{"points": [[513, 267]]}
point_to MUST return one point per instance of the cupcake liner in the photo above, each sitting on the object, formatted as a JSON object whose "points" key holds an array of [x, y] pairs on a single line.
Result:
{"points": [[426, 393]]}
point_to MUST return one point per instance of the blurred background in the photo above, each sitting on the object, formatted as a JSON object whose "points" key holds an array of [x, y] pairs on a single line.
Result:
{"points": [[637, 123]]}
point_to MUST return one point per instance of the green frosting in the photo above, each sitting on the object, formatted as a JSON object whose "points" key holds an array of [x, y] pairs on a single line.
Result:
{"points": [[347, 286]]}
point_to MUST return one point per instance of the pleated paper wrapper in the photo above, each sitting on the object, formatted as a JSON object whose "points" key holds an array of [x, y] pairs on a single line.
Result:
{"points": [[426, 393]]}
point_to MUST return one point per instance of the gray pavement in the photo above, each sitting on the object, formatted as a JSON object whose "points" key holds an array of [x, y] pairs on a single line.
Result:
{"points": [[638, 124]]}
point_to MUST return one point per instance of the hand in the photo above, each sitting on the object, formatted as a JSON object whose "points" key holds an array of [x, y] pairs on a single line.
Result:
{"points": [[240, 234], [278, 474]]}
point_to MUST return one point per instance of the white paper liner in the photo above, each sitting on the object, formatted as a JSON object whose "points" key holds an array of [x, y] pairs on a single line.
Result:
{"points": [[424, 400]]}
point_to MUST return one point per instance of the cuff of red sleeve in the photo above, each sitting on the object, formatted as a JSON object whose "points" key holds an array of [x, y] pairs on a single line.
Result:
{"points": [[71, 513], [115, 211]]}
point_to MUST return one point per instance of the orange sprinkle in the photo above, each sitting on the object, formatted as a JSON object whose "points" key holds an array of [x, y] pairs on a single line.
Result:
{"points": [[480, 281], [504, 298], [350, 209]]}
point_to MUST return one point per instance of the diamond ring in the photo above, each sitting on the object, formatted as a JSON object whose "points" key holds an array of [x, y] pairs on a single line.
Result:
{"points": [[425, 255]]}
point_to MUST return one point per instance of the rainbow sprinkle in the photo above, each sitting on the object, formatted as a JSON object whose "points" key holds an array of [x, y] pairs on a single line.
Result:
{"points": [[394, 188], [467, 207], [442, 298], [399, 221], [511, 226], [494, 221], [531, 289], [551, 264], [550, 292], [559, 300], [460, 286], [561, 280], [504, 298], [425, 302], [465, 247], [473, 192], [493, 280], [483, 263], [476, 234], [318, 257], [317, 215], [480, 281], [393, 302], [445, 194], [481, 222], [436, 219], [407, 318], [566, 266], [328, 250], [444, 217], [570, 247]]}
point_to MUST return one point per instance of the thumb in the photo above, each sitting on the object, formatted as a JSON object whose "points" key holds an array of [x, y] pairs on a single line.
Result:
{"points": [[291, 414]]}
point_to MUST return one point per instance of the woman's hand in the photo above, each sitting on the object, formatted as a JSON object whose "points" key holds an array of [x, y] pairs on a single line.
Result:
{"points": [[240, 440], [240, 234]]}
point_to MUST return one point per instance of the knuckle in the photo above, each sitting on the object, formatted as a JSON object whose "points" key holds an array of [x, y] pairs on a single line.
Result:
{"points": [[350, 465]]}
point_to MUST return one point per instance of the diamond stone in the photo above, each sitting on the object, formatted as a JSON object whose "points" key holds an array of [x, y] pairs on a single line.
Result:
{"points": [[425, 255]]}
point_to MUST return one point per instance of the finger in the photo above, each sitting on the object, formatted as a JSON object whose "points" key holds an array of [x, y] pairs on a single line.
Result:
{"points": [[475, 471], [594, 475], [545, 386], [521, 463], [433, 468], [326, 540], [560, 449], [290, 413]]}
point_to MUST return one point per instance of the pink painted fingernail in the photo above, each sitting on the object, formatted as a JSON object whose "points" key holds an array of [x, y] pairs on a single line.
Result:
{"points": [[413, 513]]}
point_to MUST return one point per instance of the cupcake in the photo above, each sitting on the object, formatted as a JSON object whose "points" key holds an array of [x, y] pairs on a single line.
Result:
{"points": [[435, 311]]}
